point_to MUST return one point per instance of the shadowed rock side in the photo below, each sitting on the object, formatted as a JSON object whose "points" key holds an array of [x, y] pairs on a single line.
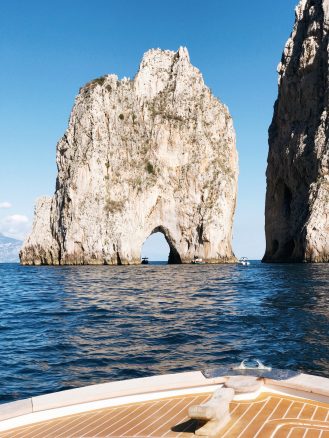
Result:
{"points": [[297, 198], [156, 153]]}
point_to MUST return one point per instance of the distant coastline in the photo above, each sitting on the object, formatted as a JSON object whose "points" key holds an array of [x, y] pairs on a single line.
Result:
{"points": [[9, 249]]}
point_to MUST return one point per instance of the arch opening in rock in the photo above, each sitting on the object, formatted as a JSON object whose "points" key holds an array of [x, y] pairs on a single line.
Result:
{"points": [[159, 247]]}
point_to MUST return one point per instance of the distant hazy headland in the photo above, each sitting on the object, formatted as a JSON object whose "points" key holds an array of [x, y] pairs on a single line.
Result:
{"points": [[9, 249]]}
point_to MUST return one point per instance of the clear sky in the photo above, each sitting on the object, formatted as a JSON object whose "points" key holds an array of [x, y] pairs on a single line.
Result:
{"points": [[50, 49]]}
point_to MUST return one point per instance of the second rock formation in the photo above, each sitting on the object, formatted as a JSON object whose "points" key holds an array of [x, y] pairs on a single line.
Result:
{"points": [[297, 199]]}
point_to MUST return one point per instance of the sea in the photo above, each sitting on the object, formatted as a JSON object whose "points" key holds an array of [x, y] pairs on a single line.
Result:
{"points": [[67, 327]]}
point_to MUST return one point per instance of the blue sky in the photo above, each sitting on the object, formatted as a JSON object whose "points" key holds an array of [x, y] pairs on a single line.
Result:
{"points": [[50, 49]]}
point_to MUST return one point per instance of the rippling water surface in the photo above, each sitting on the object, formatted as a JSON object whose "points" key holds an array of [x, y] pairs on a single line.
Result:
{"points": [[64, 327]]}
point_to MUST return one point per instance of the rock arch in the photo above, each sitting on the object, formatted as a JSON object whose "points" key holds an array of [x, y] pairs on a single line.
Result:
{"points": [[153, 153], [174, 257]]}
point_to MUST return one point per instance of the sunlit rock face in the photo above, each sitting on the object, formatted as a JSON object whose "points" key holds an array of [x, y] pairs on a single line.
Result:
{"points": [[297, 199], [156, 153]]}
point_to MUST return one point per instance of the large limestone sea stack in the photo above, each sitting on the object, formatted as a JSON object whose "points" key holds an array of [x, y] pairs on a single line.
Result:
{"points": [[297, 199], [156, 153]]}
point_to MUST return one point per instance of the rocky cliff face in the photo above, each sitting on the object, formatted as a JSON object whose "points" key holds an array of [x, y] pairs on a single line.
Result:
{"points": [[156, 153], [297, 199]]}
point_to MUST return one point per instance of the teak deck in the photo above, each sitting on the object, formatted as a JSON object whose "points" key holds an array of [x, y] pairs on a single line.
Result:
{"points": [[270, 415]]}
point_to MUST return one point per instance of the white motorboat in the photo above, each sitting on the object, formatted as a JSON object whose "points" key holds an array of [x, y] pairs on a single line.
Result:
{"points": [[198, 261], [244, 261]]}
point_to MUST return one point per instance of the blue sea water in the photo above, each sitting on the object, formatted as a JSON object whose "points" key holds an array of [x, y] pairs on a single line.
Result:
{"points": [[65, 327]]}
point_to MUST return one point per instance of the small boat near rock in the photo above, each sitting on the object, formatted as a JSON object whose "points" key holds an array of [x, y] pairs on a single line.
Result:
{"points": [[198, 261], [244, 261], [145, 261]]}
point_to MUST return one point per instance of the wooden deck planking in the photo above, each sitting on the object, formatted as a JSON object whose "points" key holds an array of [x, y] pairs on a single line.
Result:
{"points": [[269, 416]]}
